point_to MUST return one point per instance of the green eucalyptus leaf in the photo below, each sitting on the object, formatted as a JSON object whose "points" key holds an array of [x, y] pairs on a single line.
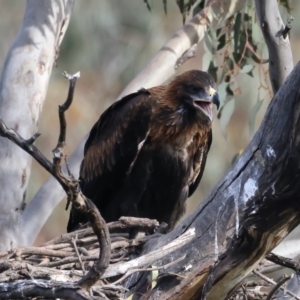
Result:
{"points": [[243, 62], [198, 6], [236, 56], [229, 91], [208, 44], [227, 112], [212, 70], [222, 92], [222, 41], [207, 58], [247, 68], [237, 27], [286, 5], [230, 63], [250, 74], [147, 5], [165, 6], [253, 114]]}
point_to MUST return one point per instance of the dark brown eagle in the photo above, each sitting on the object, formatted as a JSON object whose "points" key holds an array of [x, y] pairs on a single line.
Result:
{"points": [[146, 154]]}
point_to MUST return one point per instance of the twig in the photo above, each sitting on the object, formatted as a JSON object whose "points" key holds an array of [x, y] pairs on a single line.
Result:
{"points": [[282, 281], [284, 262], [274, 283], [287, 27], [78, 255], [123, 225], [244, 293], [44, 252], [164, 267]]}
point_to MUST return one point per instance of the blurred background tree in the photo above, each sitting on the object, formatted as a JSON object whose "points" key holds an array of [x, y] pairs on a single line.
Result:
{"points": [[110, 42]]}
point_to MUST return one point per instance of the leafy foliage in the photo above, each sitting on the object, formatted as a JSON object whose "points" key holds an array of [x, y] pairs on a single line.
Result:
{"points": [[185, 7], [286, 5], [231, 50], [164, 4]]}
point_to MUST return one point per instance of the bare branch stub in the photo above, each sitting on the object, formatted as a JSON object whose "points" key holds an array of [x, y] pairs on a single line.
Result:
{"points": [[284, 262]]}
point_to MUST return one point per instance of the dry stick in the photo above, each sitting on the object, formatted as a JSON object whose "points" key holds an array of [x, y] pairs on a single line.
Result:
{"points": [[284, 262], [69, 183], [164, 267], [41, 251], [123, 225], [274, 283], [78, 255], [282, 281]]}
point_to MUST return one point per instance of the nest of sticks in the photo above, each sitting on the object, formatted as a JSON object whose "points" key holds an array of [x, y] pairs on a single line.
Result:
{"points": [[70, 257]]}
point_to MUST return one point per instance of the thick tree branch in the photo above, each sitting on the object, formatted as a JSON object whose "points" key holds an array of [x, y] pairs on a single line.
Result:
{"points": [[277, 40], [246, 215]]}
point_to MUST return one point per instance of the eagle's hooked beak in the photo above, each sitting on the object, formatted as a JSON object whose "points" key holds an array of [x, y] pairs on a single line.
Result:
{"points": [[204, 100], [214, 96]]}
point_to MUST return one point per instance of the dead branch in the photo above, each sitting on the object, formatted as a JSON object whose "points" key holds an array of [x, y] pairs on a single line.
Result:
{"points": [[71, 187], [284, 262]]}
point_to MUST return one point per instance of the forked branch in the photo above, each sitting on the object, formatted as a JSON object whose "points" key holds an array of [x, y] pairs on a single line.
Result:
{"points": [[69, 184]]}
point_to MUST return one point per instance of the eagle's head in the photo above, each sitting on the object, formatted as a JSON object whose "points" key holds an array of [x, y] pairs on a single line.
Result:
{"points": [[193, 94]]}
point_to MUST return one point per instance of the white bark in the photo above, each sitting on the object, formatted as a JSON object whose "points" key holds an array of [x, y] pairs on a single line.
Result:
{"points": [[280, 53], [160, 68], [23, 88]]}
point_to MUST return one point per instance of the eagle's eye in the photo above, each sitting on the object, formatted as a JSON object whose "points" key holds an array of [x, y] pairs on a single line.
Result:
{"points": [[193, 89]]}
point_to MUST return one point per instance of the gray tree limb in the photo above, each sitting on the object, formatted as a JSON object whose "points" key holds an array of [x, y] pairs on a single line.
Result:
{"points": [[278, 43], [246, 215]]}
